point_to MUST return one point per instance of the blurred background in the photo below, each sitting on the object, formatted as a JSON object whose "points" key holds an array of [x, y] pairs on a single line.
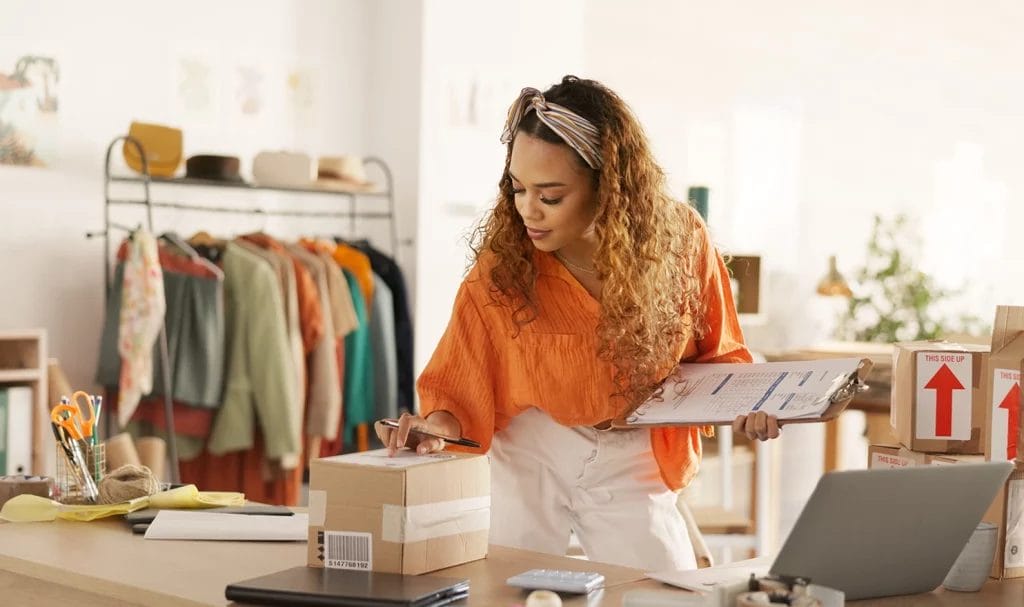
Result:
{"points": [[883, 137]]}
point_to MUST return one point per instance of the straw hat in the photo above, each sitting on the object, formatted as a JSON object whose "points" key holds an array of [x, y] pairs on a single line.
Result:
{"points": [[345, 172]]}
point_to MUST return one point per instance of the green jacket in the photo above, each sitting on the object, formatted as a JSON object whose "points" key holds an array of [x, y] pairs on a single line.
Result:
{"points": [[359, 392], [260, 382]]}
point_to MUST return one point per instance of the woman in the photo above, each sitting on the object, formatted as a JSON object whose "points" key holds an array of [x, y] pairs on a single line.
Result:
{"points": [[589, 285]]}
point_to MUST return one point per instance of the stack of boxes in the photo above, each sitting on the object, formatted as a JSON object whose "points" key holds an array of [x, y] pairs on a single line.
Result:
{"points": [[956, 403]]}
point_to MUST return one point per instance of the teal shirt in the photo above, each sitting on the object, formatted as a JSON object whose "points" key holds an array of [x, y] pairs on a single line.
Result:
{"points": [[359, 376]]}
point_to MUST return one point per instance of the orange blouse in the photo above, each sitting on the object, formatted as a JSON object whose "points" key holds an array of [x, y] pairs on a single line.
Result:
{"points": [[484, 376]]}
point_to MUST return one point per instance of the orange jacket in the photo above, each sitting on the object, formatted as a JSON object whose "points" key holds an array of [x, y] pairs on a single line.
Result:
{"points": [[484, 376]]}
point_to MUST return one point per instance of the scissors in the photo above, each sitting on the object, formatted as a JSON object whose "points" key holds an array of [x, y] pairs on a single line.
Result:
{"points": [[77, 425]]}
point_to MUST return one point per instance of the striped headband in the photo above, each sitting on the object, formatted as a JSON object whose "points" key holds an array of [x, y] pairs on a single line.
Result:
{"points": [[578, 132]]}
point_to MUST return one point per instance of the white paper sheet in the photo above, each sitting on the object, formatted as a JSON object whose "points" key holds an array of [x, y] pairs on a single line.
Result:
{"points": [[717, 393], [199, 525], [378, 458], [705, 580]]}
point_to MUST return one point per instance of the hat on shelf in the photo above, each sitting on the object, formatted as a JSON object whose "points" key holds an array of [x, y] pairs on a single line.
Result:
{"points": [[213, 168], [345, 172], [161, 144], [284, 169]]}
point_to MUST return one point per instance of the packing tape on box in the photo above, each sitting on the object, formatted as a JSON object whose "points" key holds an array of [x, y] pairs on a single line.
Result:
{"points": [[404, 524], [317, 507]]}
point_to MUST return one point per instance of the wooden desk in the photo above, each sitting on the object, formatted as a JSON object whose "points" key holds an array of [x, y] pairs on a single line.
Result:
{"points": [[101, 564]]}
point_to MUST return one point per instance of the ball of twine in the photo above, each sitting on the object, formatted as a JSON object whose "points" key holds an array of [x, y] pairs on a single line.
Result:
{"points": [[127, 483]]}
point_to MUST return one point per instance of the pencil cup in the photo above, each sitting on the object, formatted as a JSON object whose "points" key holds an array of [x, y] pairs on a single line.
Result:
{"points": [[971, 569], [67, 487]]}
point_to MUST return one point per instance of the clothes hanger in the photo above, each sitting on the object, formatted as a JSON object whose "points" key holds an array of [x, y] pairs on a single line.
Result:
{"points": [[207, 246], [202, 238], [175, 240]]}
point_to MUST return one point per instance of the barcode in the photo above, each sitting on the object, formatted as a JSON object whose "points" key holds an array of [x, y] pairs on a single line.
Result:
{"points": [[347, 550]]}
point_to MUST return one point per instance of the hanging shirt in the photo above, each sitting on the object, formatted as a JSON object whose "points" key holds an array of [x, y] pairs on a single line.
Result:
{"points": [[390, 274], [142, 317], [344, 314], [484, 373], [385, 362], [323, 406], [283, 268], [359, 390], [309, 310], [356, 262], [260, 381], [194, 321]]}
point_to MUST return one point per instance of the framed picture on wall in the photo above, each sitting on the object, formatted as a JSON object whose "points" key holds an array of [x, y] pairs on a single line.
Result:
{"points": [[28, 109]]}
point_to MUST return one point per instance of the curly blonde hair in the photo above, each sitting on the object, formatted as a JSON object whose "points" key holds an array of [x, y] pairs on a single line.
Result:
{"points": [[649, 245]]}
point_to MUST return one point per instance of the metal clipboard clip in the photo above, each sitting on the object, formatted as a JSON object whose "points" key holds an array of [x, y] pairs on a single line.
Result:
{"points": [[852, 384]]}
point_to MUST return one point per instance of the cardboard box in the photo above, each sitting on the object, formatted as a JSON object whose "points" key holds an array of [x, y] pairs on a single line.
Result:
{"points": [[895, 456], [938, 397], [410, 514], [1006, 514], [1002, 385]]}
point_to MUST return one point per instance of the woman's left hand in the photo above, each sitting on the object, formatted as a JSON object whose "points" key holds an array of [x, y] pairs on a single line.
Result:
{"points": [[760, 426]]}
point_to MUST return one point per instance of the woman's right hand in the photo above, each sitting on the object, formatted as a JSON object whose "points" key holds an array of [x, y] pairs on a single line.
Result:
{"points": [[395, 438]]}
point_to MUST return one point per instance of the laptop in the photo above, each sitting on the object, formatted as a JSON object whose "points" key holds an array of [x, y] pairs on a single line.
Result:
{"points": [[346, 588], [887, 532]]}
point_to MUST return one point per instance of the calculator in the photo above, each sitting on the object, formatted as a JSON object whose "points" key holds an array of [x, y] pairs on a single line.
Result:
{"points": [[556, 580]]}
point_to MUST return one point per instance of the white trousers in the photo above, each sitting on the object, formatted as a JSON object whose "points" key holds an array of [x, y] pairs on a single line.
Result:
{"points": [[548, 479]]}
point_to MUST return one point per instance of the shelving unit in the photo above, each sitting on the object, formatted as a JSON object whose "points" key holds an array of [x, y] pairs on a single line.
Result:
{"points": [[23, 361], [352, 213]]}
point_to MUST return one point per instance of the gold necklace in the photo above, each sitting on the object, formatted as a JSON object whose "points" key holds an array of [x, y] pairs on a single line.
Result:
{"points": [[574, 266]]}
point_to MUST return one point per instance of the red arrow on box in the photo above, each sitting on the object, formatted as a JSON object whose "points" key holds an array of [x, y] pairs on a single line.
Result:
{"points": [[1012, 405], [944, 382]]}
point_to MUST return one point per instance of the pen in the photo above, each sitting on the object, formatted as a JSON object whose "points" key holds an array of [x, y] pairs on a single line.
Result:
{"points": [[461, 441]]}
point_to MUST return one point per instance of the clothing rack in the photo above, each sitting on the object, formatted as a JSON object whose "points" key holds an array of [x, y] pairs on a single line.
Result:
{"points": [[146, 181]]}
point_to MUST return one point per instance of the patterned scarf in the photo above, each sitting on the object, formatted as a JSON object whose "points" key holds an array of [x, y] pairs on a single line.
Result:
{"points": [[578, 132]]}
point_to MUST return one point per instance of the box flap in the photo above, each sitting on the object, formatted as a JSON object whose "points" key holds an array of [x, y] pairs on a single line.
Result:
{"points": [[378, 458], [1008, 325], [939, 346]]}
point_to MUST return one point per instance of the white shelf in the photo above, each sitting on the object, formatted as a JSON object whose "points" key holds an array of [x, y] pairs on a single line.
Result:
{"points": [[16, 375]]}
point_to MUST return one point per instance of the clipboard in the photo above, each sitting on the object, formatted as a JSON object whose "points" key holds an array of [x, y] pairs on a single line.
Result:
{"points": [[840, 397]]}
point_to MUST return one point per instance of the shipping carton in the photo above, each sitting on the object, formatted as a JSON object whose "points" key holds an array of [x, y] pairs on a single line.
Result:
{"points": [[895, 456], [410, 514], [938, 397], [1002, 385], [1006, 514]]}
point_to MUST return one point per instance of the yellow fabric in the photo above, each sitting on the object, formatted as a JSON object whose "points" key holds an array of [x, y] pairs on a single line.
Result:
{"points": [[35, 509]]}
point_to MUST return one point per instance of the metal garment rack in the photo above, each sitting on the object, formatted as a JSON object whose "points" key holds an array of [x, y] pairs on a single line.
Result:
{"points": [[146, 181]]}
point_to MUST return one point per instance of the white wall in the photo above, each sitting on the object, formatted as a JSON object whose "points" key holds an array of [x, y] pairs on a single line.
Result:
{"points": [[805, 121], [118, 63], [392, 103], [476, 58]]}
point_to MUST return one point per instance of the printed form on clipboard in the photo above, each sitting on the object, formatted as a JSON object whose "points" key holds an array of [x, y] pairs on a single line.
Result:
{"points": [[699, 394]]}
